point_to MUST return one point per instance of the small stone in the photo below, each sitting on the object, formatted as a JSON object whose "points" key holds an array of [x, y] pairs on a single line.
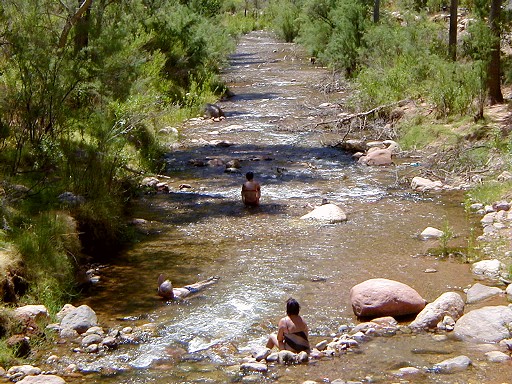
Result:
{"points": [[110, 342], [431, 233], [501, 206], [96, 330], [254, 367], [322, 345], [93, 348], [71, 368], [497, 356], [52, 359], [456, 364], [273, 357], [408, 371], [287, 357], [91, 339], [476, 207], [262, 354], [303, 357]]}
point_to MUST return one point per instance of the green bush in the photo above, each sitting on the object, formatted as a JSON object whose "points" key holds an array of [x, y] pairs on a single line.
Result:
{"points": [[410, 61], [452, 87]]}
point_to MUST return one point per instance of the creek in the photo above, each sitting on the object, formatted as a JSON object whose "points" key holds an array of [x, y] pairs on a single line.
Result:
{"points": [[267, 254]]}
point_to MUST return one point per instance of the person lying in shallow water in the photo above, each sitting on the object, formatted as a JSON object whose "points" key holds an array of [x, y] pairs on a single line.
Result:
{"points": [[292, 333], [166, 290]]}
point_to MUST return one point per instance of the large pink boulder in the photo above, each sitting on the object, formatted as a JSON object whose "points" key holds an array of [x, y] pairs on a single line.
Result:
{"points": [[377, 156], [383, 297]]}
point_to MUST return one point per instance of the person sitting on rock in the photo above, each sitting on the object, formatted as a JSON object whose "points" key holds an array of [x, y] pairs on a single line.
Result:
{"points": [[292, 334], [166, 290]]}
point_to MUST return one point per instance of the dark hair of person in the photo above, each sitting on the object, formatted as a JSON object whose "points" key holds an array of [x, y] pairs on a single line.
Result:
{"points": [[292, 307], [249, 175]]}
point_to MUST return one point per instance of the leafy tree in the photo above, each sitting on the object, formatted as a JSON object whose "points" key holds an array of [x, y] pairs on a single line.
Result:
{"points": [[333, 31], [84, 87], [284, 17]]}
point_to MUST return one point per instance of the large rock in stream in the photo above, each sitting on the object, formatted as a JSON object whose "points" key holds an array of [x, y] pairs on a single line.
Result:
{"points": [[79, 319], [42, 379], [383, 297], [448, 304], [485, 325], [377, 156], [329, 213]]}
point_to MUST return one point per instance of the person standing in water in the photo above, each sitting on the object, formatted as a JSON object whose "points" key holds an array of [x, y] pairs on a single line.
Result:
{"points": [[292, 333], [251, 191]]}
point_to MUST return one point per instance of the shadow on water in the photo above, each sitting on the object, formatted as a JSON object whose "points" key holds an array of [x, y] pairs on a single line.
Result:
{"points": [[241, 59], [254, 96]]}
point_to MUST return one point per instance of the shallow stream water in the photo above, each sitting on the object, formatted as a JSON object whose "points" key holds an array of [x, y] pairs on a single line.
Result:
{"points": [[267, 254]]}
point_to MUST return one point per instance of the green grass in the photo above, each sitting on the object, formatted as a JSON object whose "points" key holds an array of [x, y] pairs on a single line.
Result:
{"points": [[48, 245], [417, 134], [489, 192]]}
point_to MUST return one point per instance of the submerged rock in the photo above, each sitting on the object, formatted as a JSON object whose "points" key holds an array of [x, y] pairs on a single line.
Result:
{"points": [[455, 364], [488, 268], [421, 184], [479, 292], [497, 356], [42, 379], [254, 367]]}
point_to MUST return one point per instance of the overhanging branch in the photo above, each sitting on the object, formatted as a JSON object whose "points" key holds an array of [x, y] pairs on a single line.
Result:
{"points": [[72, 21]]}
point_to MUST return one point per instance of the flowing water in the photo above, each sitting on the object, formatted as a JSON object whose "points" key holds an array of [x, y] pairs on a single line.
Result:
{"points": [[267, 254]]}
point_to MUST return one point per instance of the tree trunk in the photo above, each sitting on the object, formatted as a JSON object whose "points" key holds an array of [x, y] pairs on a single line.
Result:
{"points": [[82, 29], [452, 42], [494, 70], [376, 11], [72, 20]]}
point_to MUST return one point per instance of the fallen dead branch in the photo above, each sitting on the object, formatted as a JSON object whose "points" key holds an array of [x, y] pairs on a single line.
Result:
{"points": [[361, 115]]}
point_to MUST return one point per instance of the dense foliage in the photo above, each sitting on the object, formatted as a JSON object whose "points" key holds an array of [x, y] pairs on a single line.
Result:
{"points": [[86, 87], [401, 54]]}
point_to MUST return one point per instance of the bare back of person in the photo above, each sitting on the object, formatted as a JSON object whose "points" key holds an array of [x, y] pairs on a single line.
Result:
{"points": [[295, 333], [292, 333], [251, 191]]}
